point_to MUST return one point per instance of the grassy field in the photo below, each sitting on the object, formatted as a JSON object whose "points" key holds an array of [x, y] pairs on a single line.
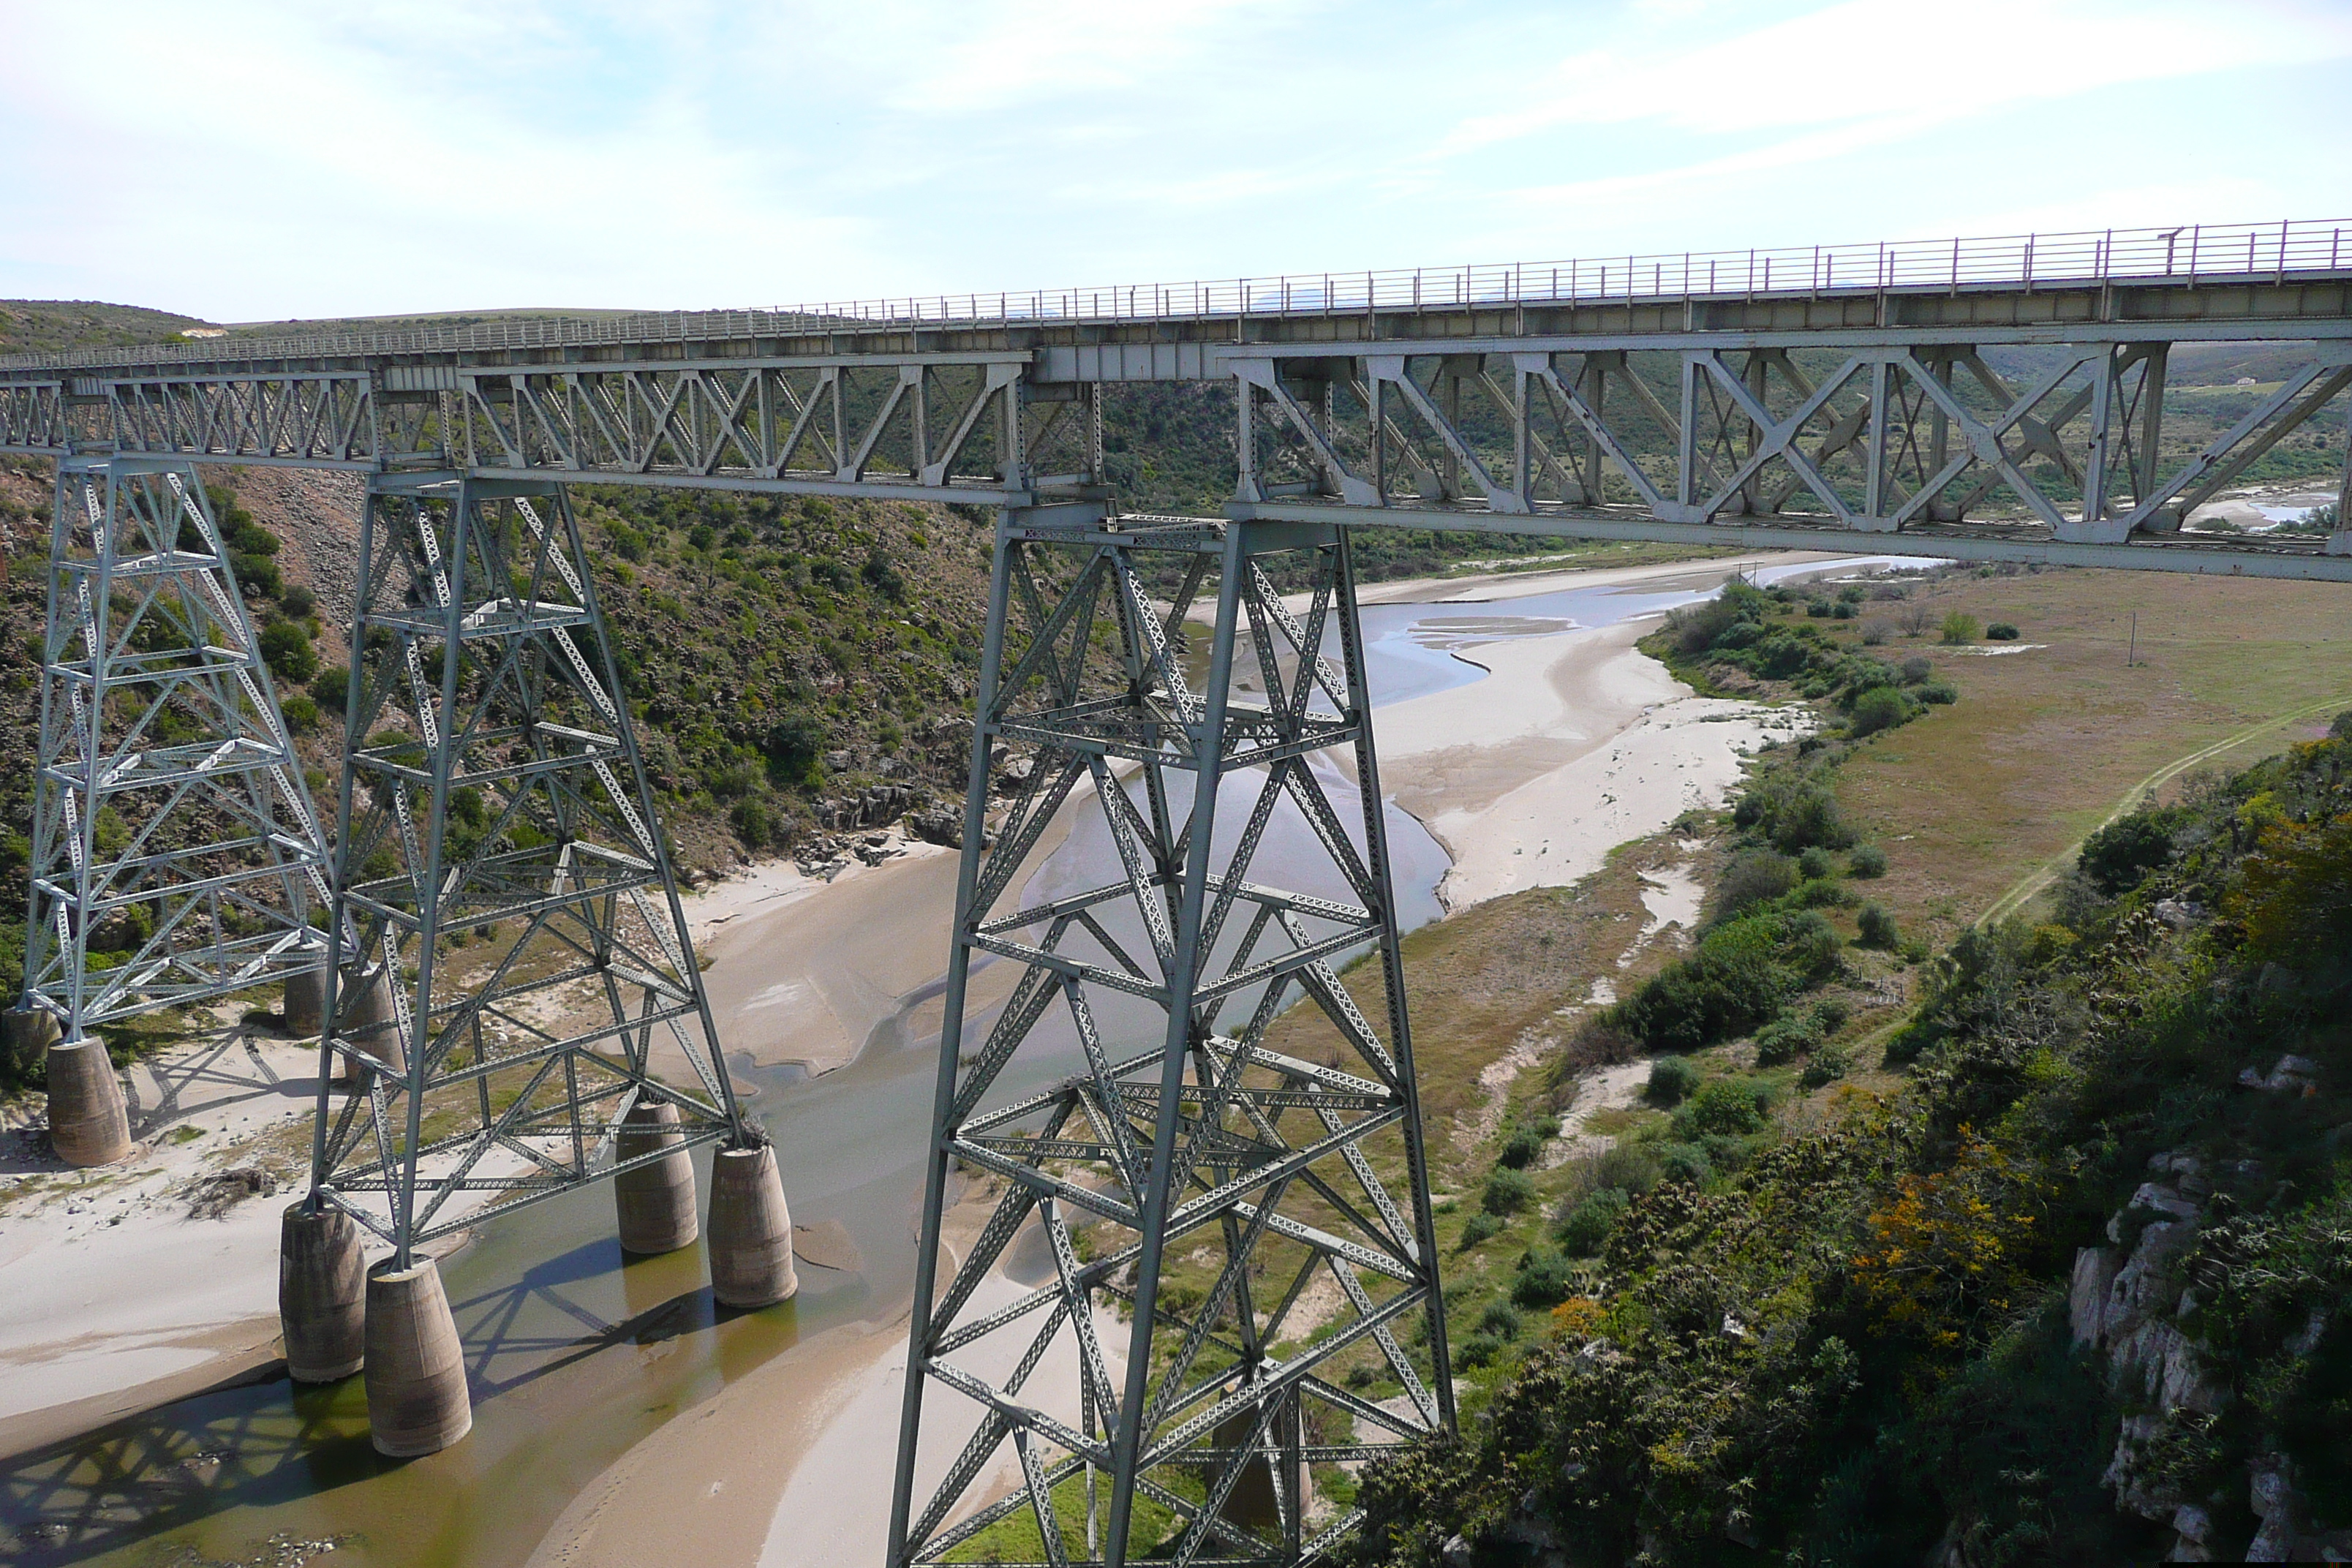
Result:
{"points": [[2045, 742]]}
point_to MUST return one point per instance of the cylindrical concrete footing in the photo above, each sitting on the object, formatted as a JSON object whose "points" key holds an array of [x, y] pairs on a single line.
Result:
{"points": [[305, 1008], [365, 1000], [26, 1035], [88, 1123], [321, 1294], [656, 1201], [750, 1230], [416, 1397]]}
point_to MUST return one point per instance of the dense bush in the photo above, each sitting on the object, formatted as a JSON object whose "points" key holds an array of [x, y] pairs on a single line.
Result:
{"points": [[1586, 1227], [1671, 1080], [1506, 1191], [1868, 860], [1526, 1144], [2001, 631], [2119, 856], [1959, 626], [1741, 973], [1722, 1106], [1754, 876], [1881, 708], [1877, 927], [285, 648]]}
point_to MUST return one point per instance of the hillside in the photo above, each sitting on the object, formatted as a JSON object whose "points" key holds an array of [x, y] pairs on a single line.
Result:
{"points": [[45, 326], [2053, 1271]]}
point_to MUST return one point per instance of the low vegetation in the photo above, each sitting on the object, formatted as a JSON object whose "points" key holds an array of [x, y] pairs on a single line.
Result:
{"points": [[1848, 1340]]}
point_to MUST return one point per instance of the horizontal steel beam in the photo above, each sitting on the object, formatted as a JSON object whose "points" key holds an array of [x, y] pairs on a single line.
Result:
{"points": [[2201, 559]]}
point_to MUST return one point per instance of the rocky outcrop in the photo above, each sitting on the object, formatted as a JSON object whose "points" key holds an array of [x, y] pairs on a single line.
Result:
{"points": [[2129, 1300]]}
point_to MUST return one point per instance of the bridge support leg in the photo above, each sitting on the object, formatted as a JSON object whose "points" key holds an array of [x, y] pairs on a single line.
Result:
{"points": [[321, 1293], [172, 834], [513, 994], [1164, 1132]]}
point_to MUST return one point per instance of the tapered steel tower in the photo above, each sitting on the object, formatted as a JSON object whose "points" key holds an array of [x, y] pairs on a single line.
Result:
{"points": [[176, 856], [1130, 1092]]}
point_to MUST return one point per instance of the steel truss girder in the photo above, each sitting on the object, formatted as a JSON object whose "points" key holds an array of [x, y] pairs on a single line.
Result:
{"points": [[1200, 1138], [1874, 439], [492, 785], [170, 809]]}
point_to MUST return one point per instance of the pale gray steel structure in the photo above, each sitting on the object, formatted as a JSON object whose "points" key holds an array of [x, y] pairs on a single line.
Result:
{"points": [[1834, 398], [167, 791], [492, 778]]}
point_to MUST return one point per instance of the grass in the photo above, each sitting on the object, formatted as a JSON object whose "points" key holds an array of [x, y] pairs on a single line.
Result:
{"points": [[2044, 743]]}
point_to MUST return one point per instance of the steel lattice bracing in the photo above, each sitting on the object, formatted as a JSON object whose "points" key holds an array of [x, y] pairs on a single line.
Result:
{"points": [[1916, 445], [497, 859], [171, 829], [1165, 1125]]}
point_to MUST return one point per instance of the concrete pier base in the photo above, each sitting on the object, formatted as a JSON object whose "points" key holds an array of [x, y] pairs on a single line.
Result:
{"points": [[88, 1123], [305, 1008], [750, 1230], [365, 1003], [321, 1294], [656, 1201], [416, 1397], [26, 1035]]}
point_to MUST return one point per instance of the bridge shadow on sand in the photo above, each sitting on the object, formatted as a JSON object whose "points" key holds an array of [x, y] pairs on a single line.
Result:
{"points": [[260, 1440]]}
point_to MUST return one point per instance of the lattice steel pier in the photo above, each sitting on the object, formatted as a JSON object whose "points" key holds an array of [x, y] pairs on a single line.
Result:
{"points": [[1126, 1093], [493, 790], [171, 822]]}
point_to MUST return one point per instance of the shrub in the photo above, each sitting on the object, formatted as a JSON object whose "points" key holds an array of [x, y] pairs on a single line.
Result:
{"points": [[1818, 609], [1525, 1144], [1829, 1015], [2001, 631], [1544, 1280], [331, 685], [1672, 1078], [1874, 633], [792, 745], [1754, 876], [1793, 814], [1506, 1191], [1478, 1351], [1480, 1227], [1784, 1039], [1826, 1066], [1940, 692], [1816, 863], [1845, 611], [256, 574], [1723, 1106], [302, 713], [1880, 707], [2119, 857], [297, 602], [749, 817], [285, 648], [1877, 927], [882, 574], [1959, 626], [1917, 668], [1501, 1320], [1822, 893], [1586, 1226], [1685, 1162], [1741, 973], [1868, 860], [1631, 1166]]}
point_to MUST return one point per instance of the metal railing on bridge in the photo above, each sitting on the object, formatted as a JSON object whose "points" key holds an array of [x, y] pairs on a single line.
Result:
{"points": [[2189, 254]]}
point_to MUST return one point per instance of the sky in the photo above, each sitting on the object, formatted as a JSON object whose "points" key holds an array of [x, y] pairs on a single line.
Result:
{"points": [[251, 160]]}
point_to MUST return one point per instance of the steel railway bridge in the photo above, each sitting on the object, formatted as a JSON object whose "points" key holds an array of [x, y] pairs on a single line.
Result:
{"points": [[2000, 399]]}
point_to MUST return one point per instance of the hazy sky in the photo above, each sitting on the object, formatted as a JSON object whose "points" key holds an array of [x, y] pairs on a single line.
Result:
{"points": [[250, 159]]}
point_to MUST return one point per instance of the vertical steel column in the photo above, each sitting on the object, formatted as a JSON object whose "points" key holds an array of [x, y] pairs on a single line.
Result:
{"points": [[1159, 1139], [492, 789], [169, 815]]}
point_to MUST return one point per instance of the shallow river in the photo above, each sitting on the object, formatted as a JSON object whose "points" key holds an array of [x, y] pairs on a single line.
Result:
{"points": [[575, 1357]]}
